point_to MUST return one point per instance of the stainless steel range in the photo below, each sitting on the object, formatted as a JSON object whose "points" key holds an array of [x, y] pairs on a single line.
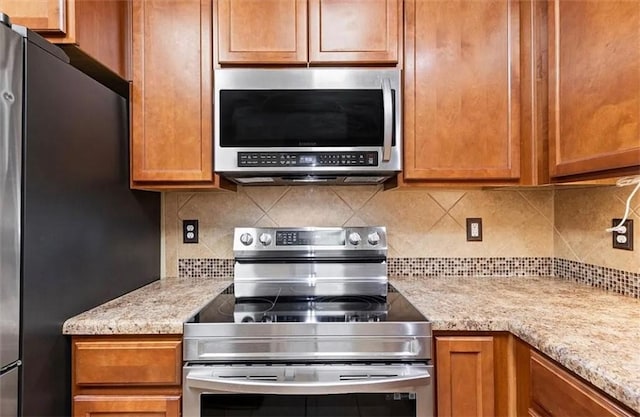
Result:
{"points": [[310, 327]]}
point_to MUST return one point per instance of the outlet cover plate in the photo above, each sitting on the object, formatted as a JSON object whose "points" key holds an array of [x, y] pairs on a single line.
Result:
{"points": [[474, 229], [628, 245], [189, 231]]}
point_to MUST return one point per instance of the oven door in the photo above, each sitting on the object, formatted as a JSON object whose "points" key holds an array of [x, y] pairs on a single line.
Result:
{"points": [[345, 390]]}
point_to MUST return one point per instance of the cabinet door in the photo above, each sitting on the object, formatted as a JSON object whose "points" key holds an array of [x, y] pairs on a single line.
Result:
{"points": [[171, 101], [44, 16], [462, 90], [103, 30], [594, 86], [354, 31], [465, 376], [556, 393], [100, 28], [126, 406], [262, 31]]}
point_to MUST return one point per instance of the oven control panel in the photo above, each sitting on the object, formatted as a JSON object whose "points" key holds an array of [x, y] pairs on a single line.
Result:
{"points": [[306, 239], [307, 159]]}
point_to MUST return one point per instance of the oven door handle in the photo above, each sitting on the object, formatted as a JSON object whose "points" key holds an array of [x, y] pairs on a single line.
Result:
{"points": [[387, 105], [311, 380]]}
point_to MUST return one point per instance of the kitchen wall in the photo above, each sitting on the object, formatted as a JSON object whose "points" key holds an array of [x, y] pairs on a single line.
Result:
{"points": [[563, 223], [581, 217], [420, 223]]}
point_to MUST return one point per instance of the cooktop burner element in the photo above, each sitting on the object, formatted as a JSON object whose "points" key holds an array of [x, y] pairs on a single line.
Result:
{"points": [[226, 308], [310, 311]]}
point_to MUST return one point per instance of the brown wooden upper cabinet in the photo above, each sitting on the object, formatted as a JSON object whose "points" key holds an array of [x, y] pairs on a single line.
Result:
{"points": [[171, 136], [594, 103], [462, 91], [338, 31], [100, 28], [47, 17]]}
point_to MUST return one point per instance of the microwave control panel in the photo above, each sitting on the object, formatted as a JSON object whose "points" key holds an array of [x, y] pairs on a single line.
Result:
{"points": [[307, 159]]}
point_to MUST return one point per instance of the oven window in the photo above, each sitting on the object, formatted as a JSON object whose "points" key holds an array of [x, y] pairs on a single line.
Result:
{"points": [[301, 118], [342, 405]]}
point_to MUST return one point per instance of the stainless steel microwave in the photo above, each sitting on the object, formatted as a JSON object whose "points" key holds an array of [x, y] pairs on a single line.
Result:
{"points": [[307, 125]]}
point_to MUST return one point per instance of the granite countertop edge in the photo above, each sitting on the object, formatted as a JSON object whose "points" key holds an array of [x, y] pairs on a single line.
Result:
{"points": [[163, 306]]}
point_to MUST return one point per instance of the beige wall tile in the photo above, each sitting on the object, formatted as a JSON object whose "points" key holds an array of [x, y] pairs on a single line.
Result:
{"points": [[623, 193], [446, 198], [603, 254], [448, 237], [218, 214], [511, 225], [532, 238], [408, 216], [182, 198], [541, 200], [562, 249], [357, 195], [310, 206], [582, 215], [355, 221], [265, 197]]}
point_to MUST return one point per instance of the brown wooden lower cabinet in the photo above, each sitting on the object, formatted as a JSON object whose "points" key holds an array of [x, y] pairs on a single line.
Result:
{"points": [[497, 374], [477, 374], [127, 376], [465, 376], [546, 389], [555, 392], [473, 374], [126, 406]]}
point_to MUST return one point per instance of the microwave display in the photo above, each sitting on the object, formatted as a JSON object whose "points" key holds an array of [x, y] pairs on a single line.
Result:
{"points": [[302, 118]]}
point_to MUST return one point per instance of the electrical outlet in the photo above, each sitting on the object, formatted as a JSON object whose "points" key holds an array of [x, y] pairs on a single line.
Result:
{"points": [[474, 229], [189, 231], [623, 240]]}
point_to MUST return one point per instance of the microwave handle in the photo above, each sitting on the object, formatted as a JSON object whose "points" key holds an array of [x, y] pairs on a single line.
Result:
{"points": [[387, 105]]}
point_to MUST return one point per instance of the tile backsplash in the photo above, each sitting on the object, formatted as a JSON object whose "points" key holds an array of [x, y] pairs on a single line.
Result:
{"points": [[522, 223], [420, 223], [581, 217]]}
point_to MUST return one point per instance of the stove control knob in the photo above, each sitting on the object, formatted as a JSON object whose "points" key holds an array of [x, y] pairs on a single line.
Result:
{"points": [[354, 238], [265, 239], [373, 238], [246, 239], [248, 319]]}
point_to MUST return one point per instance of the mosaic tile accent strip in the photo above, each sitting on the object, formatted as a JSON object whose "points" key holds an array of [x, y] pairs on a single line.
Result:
{"points": [[608, 279], [454, 267], [469, 267], [205, 268]]}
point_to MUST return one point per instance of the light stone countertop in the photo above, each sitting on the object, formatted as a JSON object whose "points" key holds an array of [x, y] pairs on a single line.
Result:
{"points": [[593, 333], [161, 307]]}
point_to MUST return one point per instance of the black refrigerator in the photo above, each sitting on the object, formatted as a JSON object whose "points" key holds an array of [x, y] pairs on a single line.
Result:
{"points": [[73, 235]]}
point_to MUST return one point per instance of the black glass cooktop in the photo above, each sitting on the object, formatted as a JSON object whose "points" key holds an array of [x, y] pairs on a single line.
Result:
{"points": [[226, 308]]}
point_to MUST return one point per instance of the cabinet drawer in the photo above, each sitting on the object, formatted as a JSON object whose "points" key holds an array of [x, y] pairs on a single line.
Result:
{"points": [[127, 362], [556, 393], [126, 406]]}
